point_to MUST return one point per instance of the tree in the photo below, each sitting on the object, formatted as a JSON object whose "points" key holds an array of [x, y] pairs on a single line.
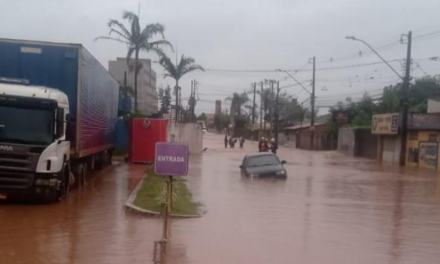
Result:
{"points": [[137, 40], [164, 98], [238, 102], [221, 121], [266, 97], [186, 65], [202, 117], [289, 111]]}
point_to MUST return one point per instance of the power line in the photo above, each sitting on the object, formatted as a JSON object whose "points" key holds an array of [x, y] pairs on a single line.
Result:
{"points": [[427, 35]]}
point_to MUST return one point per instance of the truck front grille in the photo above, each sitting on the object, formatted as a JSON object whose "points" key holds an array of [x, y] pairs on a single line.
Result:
{"points": [[17, 171]]}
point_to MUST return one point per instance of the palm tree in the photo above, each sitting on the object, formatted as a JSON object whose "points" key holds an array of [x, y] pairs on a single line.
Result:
{"points": [[137, 40], [237, 102], [176, 71]]}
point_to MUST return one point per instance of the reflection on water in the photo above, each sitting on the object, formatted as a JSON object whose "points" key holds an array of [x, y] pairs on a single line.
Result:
{"points": [[330, 209]]}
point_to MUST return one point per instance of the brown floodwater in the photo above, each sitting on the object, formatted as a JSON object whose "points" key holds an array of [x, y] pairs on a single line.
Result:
{"points": [[332, 209]]}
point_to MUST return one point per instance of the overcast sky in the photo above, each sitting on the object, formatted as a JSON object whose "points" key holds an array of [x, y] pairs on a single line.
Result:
{"points": [[260, 35]]}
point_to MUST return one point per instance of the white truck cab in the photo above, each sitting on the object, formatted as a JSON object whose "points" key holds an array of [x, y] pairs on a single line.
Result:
{"points": [[34, 152]]}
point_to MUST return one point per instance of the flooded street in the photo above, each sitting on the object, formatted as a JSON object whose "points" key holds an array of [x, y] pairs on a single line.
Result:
{"points": [[332, 209]]}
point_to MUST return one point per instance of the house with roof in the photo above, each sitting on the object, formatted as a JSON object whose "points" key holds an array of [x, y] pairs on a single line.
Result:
{"points": [[423, 141], [300, 135]]}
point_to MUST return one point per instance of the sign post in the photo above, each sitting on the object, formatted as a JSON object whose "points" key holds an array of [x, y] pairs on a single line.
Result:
{"points": [[171, 160]]}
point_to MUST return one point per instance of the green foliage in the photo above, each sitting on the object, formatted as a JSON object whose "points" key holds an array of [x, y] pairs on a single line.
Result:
{"points": [[185, 65], [221, 121], [136, 39], [419, 92], [152, 195], [238, 102], [290, 112], [164, 99], [202, 117]]}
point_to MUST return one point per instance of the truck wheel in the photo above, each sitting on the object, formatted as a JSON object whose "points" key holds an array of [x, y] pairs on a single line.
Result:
{"points": [[82, 174], [79, 174], [65, 183]]}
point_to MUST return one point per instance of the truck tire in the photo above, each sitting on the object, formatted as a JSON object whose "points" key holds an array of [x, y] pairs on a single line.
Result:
{"points": [[82, 168], [80, 173], [65, 183], [53, 195]]}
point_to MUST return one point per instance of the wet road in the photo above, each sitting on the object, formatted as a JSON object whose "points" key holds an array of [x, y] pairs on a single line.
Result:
{"points": [[331, 209]]}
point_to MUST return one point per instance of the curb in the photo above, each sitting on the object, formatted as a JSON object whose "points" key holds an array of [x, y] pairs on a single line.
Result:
{"points": [[130, 204]]}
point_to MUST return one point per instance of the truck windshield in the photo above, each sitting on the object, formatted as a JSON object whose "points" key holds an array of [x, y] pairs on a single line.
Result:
{"points": [[26, 126]]}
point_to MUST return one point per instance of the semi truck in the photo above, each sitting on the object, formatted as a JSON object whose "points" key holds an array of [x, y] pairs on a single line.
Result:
{"points": [[58, 114]]}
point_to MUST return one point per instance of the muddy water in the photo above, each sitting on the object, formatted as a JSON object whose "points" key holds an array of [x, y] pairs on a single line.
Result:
{"points": [[331, 209]]}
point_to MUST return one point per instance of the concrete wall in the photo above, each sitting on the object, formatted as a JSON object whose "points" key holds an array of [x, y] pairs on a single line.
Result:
{"points": [[189, 133], [365, 144], [391, 149], [346, 141], [433, 106], [282, 138]]}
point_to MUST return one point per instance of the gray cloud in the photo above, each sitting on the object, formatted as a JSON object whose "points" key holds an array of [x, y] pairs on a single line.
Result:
{"points": [[248, 34]]}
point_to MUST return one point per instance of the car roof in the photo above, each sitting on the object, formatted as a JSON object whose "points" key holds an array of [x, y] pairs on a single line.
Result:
{"points": [[260, 154]]}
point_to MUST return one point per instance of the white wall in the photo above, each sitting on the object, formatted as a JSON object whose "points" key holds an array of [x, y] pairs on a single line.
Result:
{"points": [[391, 149], [190, 133], [346, 141], [433, 106]]}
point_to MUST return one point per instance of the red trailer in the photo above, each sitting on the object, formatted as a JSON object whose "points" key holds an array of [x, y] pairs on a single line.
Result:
{"points": [[144, 133]]}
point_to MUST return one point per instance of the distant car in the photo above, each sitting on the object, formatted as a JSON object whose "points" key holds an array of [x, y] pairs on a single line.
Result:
{"points": [[263, 165]]}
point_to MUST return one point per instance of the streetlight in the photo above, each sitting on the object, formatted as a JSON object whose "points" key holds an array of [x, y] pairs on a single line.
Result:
{"points": [[373, 50], [405, 88]]}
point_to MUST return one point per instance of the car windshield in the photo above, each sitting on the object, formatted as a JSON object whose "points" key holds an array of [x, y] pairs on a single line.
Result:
{"points": [[262, 161], [27, 126]]}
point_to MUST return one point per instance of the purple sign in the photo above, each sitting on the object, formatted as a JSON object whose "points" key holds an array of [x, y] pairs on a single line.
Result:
{"points": [[171, 159]]}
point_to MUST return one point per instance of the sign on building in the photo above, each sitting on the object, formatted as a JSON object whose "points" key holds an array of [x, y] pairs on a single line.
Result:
{"points": [[385, 124], [171, 159], [428, 154]]}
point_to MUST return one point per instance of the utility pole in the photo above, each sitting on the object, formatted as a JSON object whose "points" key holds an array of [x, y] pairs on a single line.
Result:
{"points": [[277, 114], [404, 102], [312, 102], [271, 108], [191, 101], [261, 111], [253, 107]]}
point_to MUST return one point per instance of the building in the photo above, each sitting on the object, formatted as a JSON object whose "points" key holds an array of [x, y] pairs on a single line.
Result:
{"points": [[300, 135], [210, 120], [423, 141], [218, 107], [357, 142], [146, 94]]}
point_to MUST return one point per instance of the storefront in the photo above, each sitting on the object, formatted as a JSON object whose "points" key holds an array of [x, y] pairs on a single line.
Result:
{"points": [[423, 141]]}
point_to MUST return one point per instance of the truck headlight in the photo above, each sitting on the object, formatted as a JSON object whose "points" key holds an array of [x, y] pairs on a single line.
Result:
{"points": [[280, 173]]}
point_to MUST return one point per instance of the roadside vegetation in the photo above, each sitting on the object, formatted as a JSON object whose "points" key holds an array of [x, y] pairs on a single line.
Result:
{"points": [[152, 195]]}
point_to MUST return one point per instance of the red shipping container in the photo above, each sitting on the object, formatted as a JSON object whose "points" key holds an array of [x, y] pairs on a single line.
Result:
{"points": [[143, 135]]}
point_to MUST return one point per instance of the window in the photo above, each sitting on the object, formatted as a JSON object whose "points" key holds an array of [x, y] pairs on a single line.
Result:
{"points": [[432, 137], [413, 135]]}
